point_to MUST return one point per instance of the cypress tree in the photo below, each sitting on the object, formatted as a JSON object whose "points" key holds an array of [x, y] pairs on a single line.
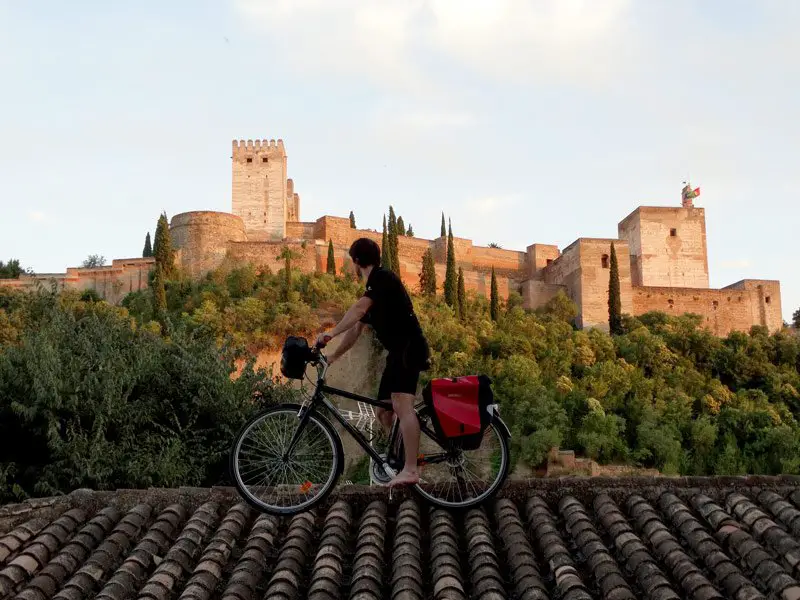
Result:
{"points": [[444, 229], [386, 248], [392, 238], [462, 295], [159, 296], [410, 232], [427, 278], [494, 306], [614, 297], [450, 275], [148, 249], [352, 220], [401, 226], [287, 255], [331, 259], [162, 246]]}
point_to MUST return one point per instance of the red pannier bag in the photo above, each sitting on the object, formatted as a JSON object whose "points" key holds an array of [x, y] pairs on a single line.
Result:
{"points": [[460, 408]]}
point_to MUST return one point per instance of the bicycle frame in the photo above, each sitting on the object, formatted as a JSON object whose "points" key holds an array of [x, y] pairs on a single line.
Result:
{"points": [[319, 399]]}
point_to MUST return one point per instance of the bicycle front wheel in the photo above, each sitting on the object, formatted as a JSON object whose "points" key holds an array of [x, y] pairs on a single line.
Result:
{"points": [[275, 483]]}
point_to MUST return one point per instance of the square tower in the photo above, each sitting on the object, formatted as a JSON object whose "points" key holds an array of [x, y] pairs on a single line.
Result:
{"points": [[260, 193], [667, 246]]}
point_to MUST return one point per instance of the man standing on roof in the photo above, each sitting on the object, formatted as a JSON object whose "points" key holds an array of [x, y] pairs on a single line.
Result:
{"points": [[387, 308]]}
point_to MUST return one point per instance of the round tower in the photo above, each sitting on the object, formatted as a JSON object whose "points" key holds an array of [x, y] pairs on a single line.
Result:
{"points": [[201, 239]]}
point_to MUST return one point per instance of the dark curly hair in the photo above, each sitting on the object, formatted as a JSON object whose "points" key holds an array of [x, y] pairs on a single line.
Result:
{"points": [[365, 252]]}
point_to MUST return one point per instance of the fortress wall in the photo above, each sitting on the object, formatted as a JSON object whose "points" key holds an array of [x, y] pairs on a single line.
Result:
{"points": [[733, 308], [112, 283], [265, 254], [540, 256], [766, 295], [202, 239], [412, 249], [299, 230], [565, 271], [506, 261], [595, 271], [538, 293]]}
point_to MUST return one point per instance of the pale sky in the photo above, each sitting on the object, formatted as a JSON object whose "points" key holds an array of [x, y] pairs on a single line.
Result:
{"points": [[523, 120]]}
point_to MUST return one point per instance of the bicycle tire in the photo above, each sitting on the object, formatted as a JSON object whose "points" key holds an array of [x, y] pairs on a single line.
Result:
{"points": [[330, 485], [503, 436]]}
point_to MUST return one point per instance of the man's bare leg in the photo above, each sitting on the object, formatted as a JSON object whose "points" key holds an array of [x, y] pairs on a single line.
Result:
{"points": [[385, 418], [403, 405]]}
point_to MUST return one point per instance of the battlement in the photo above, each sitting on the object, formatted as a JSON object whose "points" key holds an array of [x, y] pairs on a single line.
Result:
{"points": [[242, 147]]}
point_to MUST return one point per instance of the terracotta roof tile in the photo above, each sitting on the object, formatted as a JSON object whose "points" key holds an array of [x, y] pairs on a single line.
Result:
{"points": [[571, 539]]}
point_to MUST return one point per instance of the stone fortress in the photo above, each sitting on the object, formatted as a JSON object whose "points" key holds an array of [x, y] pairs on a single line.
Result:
{"points": [[661, 252]]}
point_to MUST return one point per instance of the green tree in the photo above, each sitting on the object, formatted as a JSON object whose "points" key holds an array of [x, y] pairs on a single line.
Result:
{"points": [[148, 249], [162, 246], [11, 269], [393, 243], [331, 266], [614, 299], [494, 245], [462, 295], [450, 274], [444, 229], [287, 255], [386, 248], [795, 318], [93, 261], [410, 232], [159, 296], [401, 226], [494, 300], [352, 220], [427, 278]]}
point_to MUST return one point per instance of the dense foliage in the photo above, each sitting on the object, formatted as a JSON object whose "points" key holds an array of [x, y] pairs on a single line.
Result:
{"points": [[91, 398]]}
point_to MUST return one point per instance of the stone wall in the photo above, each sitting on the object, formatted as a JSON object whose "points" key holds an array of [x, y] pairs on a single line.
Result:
{"points": [[300, 231], [595, 270], [265, 254], [667, 246], [112, 283], [539, 257], [538, 293], [202, 239], [734, 308]]}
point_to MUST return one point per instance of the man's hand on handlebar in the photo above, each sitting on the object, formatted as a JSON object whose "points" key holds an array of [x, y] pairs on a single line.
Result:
{"points": [[323, 339]]}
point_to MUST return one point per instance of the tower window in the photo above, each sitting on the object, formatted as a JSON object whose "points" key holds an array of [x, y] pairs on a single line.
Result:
{"points": [[263, 159], [249, 159], [604, 261], [673, 232], [549, 261], [767, 299]]}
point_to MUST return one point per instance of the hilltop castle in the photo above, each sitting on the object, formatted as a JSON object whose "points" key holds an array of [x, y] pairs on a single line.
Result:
{"points": [[661, 251], [663, 262]]}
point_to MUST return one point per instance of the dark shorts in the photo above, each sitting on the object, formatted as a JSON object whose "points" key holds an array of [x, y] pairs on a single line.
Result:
{"points": [[400, 376]]}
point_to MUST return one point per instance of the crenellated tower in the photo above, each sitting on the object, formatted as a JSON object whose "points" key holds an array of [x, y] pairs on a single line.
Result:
{"points": [[261, 194]]}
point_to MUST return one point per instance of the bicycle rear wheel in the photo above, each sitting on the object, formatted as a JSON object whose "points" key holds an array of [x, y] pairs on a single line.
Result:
{"points": [[278, 485], [459, 479]]}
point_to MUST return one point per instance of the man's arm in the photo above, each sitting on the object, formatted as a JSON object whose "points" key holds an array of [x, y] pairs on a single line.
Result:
{"points": [[350, 338], [353, 315]]}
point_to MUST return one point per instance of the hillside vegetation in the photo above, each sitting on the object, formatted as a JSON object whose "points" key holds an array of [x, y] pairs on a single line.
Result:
{"points": [[146, 394]]}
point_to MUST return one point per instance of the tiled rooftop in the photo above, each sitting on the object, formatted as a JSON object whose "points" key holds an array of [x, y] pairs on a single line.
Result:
{"points": [[569, 539]]}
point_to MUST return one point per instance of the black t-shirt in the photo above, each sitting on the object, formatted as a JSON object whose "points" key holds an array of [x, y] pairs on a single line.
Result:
{"points": [[392, 314]]}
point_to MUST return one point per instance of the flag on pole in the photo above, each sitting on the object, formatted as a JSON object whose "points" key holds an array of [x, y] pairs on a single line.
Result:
{"points": [[696, 192]]}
